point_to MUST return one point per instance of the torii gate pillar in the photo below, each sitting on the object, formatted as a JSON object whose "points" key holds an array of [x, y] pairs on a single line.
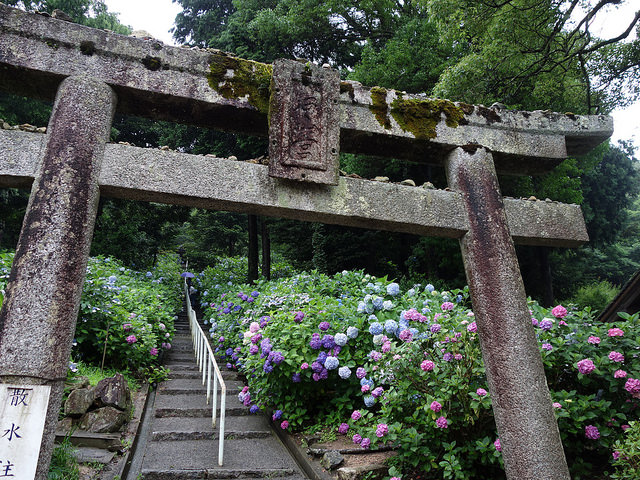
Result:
{"points": [[38, 316], [519, 393]]}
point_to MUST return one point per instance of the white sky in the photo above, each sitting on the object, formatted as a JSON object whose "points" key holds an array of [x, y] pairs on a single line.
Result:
{"points": [[157, 16]]}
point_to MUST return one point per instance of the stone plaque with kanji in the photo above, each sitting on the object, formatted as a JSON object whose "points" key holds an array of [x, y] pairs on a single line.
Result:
{"points": [[304, 131], [23, 410]]}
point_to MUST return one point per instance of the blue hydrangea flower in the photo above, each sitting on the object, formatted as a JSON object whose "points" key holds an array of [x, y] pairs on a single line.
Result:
{"points": [[352, 332], [403, 324], [377, 303], [429, 288], [366, 381], [331, 363], [254, 409], [369, 401], [391, 327], [340, 339], [344, 372], [393, 289], [387, 305], [375, 328], [411, 292], [267, 367], [377, 339], [369, 308], [361, 307], [278, 358], [458, 298], [277, 414]]}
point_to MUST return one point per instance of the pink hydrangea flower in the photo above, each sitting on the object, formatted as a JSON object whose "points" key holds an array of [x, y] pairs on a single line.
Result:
{"points": [[365, 388], [153, 352], [442, 422], [131, 339], [586, 366], [458, 356], [497, 445], [591, 432], [446, 306], [254, 327], [472, 327], [559, 311], [481, 392], [284, 425], [632, 386], [356, 415], [126, 327], [619, 374], [381, 430], [427, 365], [625, 427], [616, 357], [615, 332], [304, 366], [615, 455], [435, 406], [593, 340], [557, 405]]}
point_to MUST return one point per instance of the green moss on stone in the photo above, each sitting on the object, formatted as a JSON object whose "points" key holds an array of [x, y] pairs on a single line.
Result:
{"points": [[236, 78], [420, 117], [379, 106]]}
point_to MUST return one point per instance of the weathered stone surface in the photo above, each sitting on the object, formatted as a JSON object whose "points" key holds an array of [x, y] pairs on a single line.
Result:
{"points": [[361, 472], [64, 425], [38, 316], [212, 89], [304, 129], [104, 420], [113, 392], [154, 175], [331, 460], [79, 401], [527, 427]]}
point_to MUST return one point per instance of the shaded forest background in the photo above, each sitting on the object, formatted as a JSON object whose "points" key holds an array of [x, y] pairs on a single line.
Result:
{"points": [[525, 54]]}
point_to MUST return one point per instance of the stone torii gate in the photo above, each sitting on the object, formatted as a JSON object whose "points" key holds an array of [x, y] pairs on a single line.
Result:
{"points": [[91, 73]]}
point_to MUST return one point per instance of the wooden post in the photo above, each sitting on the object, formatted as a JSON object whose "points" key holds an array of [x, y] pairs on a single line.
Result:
{"points": [[38, 317]]}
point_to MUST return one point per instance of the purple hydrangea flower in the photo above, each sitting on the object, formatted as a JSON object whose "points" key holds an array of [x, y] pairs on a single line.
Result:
{"points": [[377, 392], [481, 392], [277, 415], [315, 342], [316, 367], [547, 346], [361, 373], [435, 406], [343, 428], [296, 378], [365, 443], [375, 355], [328, 342], [357, 438], [298, 317], [591, 432], [616, 357], [254, 409], [442, 422], [446, 306], [324, 326], [447, 357], [546, 324], [435, 328], [427, 365], [472, 327], [356, 415], [131, 339]]}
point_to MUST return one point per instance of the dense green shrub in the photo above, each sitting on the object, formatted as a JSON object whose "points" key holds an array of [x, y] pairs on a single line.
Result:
{"points": [[596, 295], [404, 368], [125, 316]]}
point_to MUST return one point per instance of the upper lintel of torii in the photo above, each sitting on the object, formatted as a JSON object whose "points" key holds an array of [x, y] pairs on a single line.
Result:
{"points": [[212, 89]]}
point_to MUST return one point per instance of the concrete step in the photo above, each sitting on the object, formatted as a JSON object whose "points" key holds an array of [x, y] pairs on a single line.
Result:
{"points": [[188, 474], [192, 401], [236, 428], [184, 374], [251, 457], [194, 386], [197, 412]]}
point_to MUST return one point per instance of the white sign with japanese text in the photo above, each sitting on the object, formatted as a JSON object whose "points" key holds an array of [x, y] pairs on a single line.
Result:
{"points": [[23, 410]]}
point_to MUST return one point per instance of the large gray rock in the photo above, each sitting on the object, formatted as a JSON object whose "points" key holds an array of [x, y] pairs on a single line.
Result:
{"points": [[78, 402], [113, 392], [104, 420], [331, 459]]}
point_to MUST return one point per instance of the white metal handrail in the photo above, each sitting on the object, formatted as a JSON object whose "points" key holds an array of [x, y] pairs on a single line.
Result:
{"points": [[207, 362]]}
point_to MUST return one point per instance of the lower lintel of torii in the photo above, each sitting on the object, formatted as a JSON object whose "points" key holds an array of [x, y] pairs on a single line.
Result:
{"points": [[222, 184]]}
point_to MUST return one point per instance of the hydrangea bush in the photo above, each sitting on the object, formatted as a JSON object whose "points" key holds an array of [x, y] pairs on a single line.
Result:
{"points": [[132, 312], [403, 368]]}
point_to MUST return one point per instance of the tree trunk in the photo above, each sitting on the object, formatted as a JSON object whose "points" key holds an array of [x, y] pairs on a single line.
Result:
{"points": [[266, 249], [253, 249], [545, 274]]}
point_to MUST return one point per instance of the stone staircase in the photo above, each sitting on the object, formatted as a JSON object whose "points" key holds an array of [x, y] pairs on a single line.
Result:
{"points": [[181, 442]]}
